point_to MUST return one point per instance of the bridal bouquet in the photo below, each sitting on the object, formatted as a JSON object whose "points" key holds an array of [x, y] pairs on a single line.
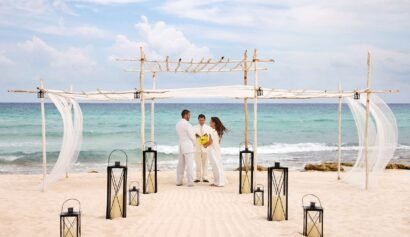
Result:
{"points": [[203, 139]]}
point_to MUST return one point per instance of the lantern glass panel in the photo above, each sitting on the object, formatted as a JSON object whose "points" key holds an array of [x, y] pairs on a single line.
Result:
{"points": [[258, 196], [117, 197], [149, 165], [312, 217], [117, 188], [70, 226], [150, 170], [70, 220], [134, 194], [314, 225], [246, 167], [278, 193]]}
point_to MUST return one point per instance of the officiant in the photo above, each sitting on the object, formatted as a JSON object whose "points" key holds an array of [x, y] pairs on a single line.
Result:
{"points": [[202, 132]]}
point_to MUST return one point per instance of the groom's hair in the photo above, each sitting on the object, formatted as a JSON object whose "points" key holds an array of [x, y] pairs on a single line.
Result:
{"points": [[184, 112], [201, 116]]}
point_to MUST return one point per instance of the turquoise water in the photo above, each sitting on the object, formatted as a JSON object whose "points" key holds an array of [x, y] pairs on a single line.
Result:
{"points": [[291, 133]]}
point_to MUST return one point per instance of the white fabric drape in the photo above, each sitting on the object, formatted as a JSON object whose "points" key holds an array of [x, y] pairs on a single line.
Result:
{"points": [[382, 138], [72, 117], [221, 92]]}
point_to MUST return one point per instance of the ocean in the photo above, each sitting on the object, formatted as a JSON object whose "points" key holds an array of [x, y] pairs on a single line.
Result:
{"points": [[293, 134]]}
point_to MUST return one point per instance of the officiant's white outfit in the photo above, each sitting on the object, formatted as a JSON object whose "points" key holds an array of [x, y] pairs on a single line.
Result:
{"points": [[187, 142], [201, 156], [214, 156]]}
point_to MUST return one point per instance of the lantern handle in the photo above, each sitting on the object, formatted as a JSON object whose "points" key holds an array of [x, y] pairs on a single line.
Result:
{"points": [[152, 143], [126, 156], [318, 199], [71, 199], [260, 185], [134, 182], [243, 144]]}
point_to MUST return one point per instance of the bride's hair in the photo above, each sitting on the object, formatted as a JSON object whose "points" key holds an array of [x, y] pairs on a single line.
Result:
{"points": [[219, 127]]}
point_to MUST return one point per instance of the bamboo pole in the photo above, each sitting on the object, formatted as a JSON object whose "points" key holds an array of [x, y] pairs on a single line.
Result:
{"points": [[142, 101], [245, 101], [366, 130], [194, 62], [222, 68], [43, 133], [339, 123], [255, 115], [66, 172], [154, 85]]}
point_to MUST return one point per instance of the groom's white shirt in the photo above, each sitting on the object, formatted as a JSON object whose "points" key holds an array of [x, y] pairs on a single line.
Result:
{"points": [[201, 130], [186, 137]]}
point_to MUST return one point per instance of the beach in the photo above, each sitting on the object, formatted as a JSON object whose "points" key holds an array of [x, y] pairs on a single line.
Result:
{"points": [[202, 210]]}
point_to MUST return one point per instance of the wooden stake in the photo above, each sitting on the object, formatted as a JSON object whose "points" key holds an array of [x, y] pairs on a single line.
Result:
{"points": [[43, 133], [366, 130], [339, 122]]}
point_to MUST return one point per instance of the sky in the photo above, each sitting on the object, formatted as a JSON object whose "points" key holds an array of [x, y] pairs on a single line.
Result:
{"points": [[315, 44]]}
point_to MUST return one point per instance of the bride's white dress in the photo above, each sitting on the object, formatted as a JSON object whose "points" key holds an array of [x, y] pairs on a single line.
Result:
{"points": [[214, 156]]}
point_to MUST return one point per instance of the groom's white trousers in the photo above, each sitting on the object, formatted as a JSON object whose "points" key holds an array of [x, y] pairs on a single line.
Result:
{"points": [[185, 161]]}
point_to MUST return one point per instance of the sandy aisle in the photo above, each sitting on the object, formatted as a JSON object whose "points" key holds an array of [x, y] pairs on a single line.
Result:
{"points": [[206, 211]]}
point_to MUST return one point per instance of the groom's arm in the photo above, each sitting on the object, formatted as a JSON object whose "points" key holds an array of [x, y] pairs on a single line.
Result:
{"points": [[191, 134]]}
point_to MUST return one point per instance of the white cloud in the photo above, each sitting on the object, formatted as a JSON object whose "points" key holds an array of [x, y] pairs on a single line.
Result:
{"points": [[5, 61], [61, 5], [71, 57], [28, 6], [293, 15], [34, 7], [84, 31], [111, 1], [159, 40], [208, 11]]}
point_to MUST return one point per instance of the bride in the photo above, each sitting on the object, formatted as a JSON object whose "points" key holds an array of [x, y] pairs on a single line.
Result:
{"points": [[214, 151]]}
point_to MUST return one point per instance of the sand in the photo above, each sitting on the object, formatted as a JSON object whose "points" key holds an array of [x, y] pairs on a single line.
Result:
{"points": [[206, 211]]}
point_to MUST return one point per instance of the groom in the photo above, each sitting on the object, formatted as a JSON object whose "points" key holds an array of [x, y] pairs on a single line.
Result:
{"points": [[187, 141]]}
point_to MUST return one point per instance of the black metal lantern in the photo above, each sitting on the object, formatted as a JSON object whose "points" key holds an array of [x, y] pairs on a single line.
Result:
{"points": [[246, 169], [259, 91], [134, 194], [117, 187], [259, 195], [149, 170], [277, 193], [356, 95], [40, 94], [70, 220], [312, 217], [137, 94]]}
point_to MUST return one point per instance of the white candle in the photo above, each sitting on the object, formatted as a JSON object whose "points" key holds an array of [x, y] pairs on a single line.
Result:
{"points": [[313, 231], [117, 207], [134, 200], [72, 232], [150, 183], [278, 208], [246, 179], [258, 199]]}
